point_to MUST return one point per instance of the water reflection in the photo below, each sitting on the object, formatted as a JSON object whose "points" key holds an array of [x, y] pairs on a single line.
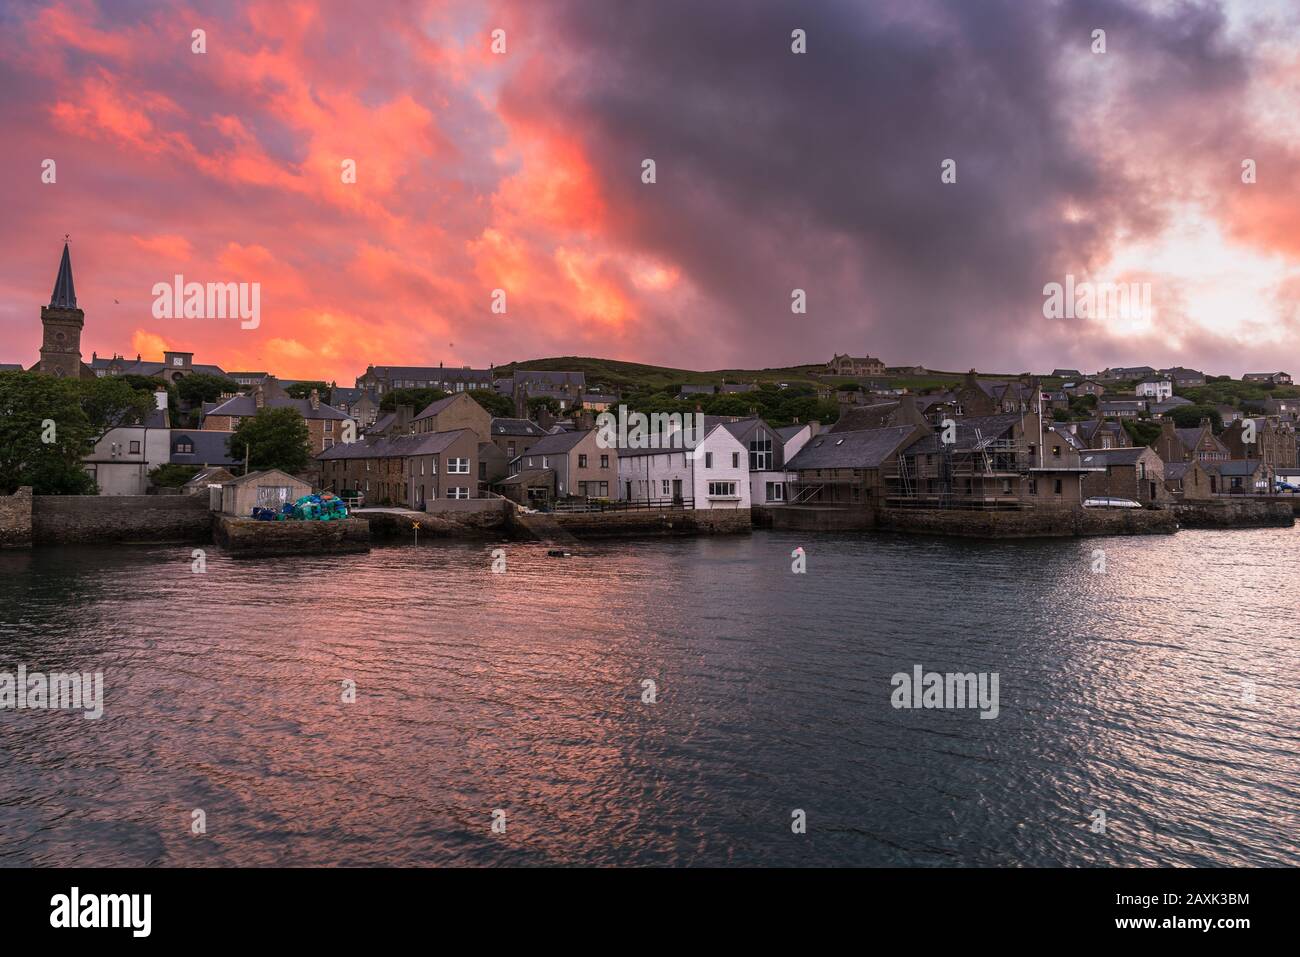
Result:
{"points": [[1120, 691]]}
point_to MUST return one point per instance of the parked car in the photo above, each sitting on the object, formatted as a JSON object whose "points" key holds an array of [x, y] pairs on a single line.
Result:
{"points": [[1285, 486], [1106, 502]]}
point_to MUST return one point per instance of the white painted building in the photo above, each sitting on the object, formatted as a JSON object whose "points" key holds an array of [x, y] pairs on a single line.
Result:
{"points": [[713, 475], [123, 456], [1157, 388]]}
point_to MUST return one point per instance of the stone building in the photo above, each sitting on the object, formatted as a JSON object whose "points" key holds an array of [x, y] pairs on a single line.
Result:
{"points": [[324, 422], [61, 325], [847, 365]]}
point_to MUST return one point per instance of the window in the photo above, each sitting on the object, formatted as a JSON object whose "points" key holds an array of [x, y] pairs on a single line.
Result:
{"points": [[546, 461], [722, 490], [1006, 486], [185, 446], [1057, 490], [272, 496], [760, 453], [329, 425], [458, 492], [135, 447], [735, 460], [667, 488], [775, 492], [458, 466], [1033, 486], [510, 449], [482, 471], [708, 460], [1056, 451], [582, 461], [433, 466], [604, 461]]}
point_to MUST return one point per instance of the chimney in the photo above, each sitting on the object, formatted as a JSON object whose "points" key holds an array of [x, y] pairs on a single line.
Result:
{"points": [[314, 399], [259, 397], [545, 419], [405, 413], [814, 427]]}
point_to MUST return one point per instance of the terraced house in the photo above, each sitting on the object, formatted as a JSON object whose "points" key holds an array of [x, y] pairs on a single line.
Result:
{"points": [[410, 470]]}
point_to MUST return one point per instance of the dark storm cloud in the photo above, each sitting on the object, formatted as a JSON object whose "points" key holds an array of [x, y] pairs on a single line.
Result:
{"points": [[822, 170]]}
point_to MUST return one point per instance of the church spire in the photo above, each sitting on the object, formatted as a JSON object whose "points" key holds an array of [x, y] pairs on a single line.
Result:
{"points": [[64, 295]]}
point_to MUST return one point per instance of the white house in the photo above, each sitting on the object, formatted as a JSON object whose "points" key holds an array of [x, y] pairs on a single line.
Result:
{"points": [[715, 474], [122, 458], [1157, 387]]}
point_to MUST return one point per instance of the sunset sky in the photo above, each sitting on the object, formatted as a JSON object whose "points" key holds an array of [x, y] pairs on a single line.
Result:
{"points": [[775, 171]]}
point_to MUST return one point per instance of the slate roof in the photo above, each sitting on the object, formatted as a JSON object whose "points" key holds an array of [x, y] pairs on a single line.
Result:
{"points": [[1233, 467], [989, 426], [1100, 457], [433, 408], [242, 405], [1176, 470], [865, 449], [209, 447], [396, 446], [863, 417], [557, 444], [509, 426]]}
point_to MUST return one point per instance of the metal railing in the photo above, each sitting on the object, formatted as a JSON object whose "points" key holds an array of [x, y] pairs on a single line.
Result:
{"points": [[627, 506]]}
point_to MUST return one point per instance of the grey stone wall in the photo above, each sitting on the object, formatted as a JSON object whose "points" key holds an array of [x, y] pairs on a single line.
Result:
{"points": [[1028, 523], [112, 519], [247, 538], [16, 519], [668, 521], [1235, 513]]}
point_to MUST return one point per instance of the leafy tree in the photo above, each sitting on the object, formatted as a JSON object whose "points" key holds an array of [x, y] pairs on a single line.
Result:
{"points": [[272, 439], [172, 475], [302, 390], [1142, 431], [497, 405], [1189, 417], [112, 401], [416, 398], [539, 402], [203, 387], [44, 432]]}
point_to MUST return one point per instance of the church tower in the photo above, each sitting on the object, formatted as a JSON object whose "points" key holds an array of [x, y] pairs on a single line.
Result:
{"points": [[62, 322]]}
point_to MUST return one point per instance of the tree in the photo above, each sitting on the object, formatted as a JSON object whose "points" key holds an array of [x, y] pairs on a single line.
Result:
{"points": [[1142, 432], [202, 387], [272, 439], [112, 401], [1189, 417], [44, 432], [418, 399], [539, 402], [497, 405], [302, 390], [172, 475]]}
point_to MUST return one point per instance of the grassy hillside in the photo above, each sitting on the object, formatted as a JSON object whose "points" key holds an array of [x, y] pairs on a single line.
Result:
{"points": [[635, 377]]}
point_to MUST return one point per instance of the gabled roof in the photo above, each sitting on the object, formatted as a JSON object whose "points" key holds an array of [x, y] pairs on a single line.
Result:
{"points": [[1099, 457], [865, 449], [557, 444], [433, 408], [788, 432], [988, 426], [210, 447], [244, 405], [263, 475], [395, 446], [509, 426], [1234, 466]]}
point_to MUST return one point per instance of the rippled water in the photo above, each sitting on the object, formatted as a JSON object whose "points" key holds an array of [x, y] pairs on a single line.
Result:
{"points": [[1120, 691]]}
